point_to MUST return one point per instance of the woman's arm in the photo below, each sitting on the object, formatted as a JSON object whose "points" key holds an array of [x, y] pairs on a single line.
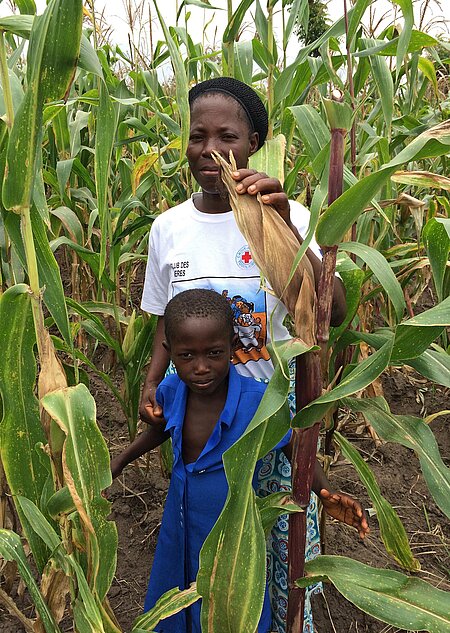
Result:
{"points": [[149, 409]]}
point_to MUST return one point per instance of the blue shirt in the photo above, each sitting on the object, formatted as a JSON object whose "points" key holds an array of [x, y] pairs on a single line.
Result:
{"points": [[197, 493]]}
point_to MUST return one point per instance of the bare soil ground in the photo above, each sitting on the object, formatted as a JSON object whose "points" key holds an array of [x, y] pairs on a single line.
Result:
{"points": [[138, 499]]}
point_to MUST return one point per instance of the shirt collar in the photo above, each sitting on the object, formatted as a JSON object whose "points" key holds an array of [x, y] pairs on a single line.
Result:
{"points": [[233, 396], [178, 407]]}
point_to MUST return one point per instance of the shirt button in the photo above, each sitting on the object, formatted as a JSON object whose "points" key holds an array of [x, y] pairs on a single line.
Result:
{"points": [[201, 471]]}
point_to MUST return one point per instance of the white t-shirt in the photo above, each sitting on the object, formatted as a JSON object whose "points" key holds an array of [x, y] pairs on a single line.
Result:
{"points": [[190, 249]]}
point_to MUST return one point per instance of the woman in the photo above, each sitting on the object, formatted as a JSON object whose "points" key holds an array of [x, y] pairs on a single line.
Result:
{"points": [[197, 245]]}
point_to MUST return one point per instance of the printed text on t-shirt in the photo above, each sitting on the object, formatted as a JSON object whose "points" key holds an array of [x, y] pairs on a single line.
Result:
{"points": [[179, 268]]}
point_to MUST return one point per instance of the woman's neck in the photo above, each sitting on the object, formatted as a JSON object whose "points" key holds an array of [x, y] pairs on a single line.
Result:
{"points": [[211, 202]]}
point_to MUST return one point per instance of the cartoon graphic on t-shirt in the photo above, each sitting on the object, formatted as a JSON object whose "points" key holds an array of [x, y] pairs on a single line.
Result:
{"points": [[250, 326]]}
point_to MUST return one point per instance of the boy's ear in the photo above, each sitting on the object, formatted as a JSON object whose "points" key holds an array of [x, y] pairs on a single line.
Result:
{"points": [[166, 345], [234, 341]]}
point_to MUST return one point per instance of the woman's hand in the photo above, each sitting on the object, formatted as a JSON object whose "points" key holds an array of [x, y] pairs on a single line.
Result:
{"points": [[149, 410], [253, 182]]}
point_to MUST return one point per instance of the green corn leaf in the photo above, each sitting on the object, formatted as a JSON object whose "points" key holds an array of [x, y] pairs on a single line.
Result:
{"points": [[71, 223], [60, 503], [382, 271], [422, 179], [105, 134], [344, 211], [362, 376], [90, 257], [43, 528], [87, 473], [406, 32], [393, 533], [433, 365], [92, 615], [402, 601], [383, 79], [95, 327], [197, 3], [312, 129], [410, 342], [27, 7], [243, 52], [52, 56], [17, 25], [234, 25], [417, 42], [88, 58], [437, 244], [232, 559], [428, 69], [339, 114], [272, 506], [11, 550], [354, 22], [352, 280], [49, 273], [270, 158], [54, 49], [413, 433], [62, 347], [170, 603], [298, 11], [20, 428], [182, 86], [445, 223]]}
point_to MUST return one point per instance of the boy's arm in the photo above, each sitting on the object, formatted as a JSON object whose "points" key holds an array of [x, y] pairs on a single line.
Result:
{"points": [[150, 438], [149, 410]]}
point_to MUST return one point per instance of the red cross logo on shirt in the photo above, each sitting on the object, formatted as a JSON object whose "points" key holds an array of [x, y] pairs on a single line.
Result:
{"points": [[246, 257]]}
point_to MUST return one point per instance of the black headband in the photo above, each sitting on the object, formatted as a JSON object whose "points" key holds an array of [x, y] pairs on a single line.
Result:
{"points": [[243, 94]]}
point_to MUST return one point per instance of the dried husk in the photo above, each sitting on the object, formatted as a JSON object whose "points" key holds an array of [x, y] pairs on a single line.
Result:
{"points": [[51, 378], [274, 248]]}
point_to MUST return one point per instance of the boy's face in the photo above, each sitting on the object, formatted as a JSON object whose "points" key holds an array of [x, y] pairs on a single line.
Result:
{"points": [[217, 123], [201, 352]]}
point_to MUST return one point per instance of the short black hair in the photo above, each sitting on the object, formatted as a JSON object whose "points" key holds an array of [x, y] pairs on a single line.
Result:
{"points": [[246, 97], [199, 303]]}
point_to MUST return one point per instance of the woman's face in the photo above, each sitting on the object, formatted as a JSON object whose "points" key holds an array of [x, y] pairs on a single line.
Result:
{"points": [[218, 123]]}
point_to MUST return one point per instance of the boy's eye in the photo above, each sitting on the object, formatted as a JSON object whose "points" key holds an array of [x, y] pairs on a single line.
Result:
{"points": [[216, 352], [195, 138]]}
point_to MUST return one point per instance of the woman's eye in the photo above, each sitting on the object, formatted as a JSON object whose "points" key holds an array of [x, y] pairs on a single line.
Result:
{"points": [[195, 139]]}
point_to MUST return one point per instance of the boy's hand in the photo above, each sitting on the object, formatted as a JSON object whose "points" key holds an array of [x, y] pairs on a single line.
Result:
{"points": [[149, 410], [343, 508], [253, 182], [116, 466]]}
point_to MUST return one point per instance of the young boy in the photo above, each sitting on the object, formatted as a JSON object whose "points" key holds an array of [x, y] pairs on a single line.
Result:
{"points": [[207, 406]]}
